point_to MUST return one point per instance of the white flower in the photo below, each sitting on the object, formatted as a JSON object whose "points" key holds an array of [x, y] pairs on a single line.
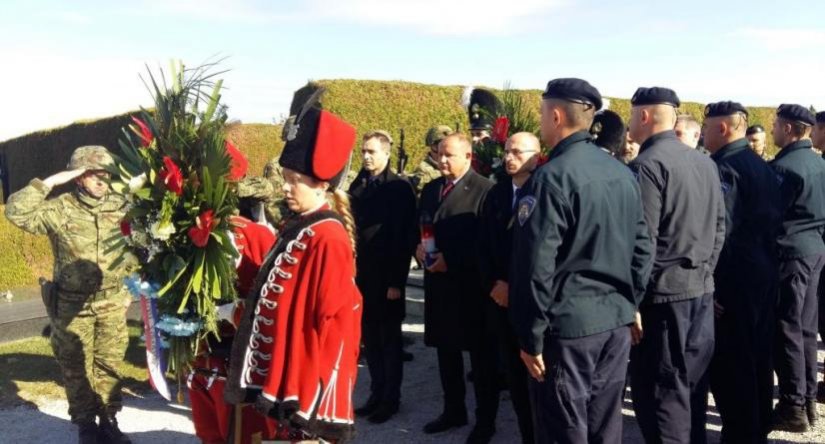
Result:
{"points": [[137, 183], [162, 230]]}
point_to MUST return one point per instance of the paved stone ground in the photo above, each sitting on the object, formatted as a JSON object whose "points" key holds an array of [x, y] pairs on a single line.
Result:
{"points": [[152, 420]]}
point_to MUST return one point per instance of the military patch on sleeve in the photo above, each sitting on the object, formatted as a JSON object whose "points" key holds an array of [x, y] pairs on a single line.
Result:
{"points": [[525, 208]]}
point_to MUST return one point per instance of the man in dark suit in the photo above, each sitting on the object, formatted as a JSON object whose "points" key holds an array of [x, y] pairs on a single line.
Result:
{"points": [[521, 153], [454, 298], [383, 205]]}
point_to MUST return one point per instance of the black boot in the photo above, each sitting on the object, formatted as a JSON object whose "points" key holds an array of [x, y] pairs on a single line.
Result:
{"points": [[481, 434], [810, 410], [369, 407], [87, 433], [109, 432], [384, 412], [445, 422], [790, 418]]}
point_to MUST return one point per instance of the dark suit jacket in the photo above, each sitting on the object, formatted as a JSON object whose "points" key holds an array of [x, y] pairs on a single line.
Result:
{"points": [[453, 308], [384, 212]]}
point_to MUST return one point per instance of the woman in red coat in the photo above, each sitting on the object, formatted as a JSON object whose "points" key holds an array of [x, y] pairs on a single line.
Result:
{"points": [[296, 352]]}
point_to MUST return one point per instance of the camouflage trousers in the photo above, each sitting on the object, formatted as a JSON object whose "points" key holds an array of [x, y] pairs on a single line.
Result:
{"points": [[89, 339]]}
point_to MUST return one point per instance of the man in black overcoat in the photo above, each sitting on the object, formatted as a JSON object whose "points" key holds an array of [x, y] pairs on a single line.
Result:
{"points": [[454, 296], [383, 205]]}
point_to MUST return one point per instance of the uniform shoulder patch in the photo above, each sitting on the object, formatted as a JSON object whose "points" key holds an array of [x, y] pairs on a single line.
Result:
{"points": [[525, 208]]}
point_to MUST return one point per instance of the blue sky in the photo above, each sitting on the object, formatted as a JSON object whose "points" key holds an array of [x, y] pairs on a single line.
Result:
{"points": [[67, 61]]}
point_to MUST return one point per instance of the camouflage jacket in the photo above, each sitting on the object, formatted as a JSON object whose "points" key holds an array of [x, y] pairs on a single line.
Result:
{"points": [[80, 229], [424, 173], [266, 191]]}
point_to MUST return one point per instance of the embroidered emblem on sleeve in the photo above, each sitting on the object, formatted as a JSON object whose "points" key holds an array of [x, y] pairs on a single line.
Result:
{"points": [[525, 208]]}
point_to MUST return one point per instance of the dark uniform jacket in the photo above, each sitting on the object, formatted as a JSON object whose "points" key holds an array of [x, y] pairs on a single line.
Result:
{"points": [[802, 186], [453, 304], [752, 218], [384, 212], [685, 213], [496, 242], [581, 252]]}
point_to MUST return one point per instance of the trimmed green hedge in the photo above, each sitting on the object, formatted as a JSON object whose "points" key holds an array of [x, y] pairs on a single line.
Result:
{"points": [[370, 104], [367, 104], [25, 256]]}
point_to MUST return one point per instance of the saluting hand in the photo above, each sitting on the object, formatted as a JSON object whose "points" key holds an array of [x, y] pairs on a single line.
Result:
{"points": [[439, 266], [63, 177], [500, 293], [534, 364], [636, 331]]}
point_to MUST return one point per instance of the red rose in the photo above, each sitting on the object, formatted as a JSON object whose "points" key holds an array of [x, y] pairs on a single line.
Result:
{"points": [[238, 162], [143, 131], [171, 176], [202, 229], [500, 129], [125, 228]]}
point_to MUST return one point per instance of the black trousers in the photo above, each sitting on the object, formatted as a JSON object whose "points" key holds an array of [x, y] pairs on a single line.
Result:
{"points": [[451, 370], [797, 314], [580, 399], [382, 349], [669, 370], [509, 356], [741, 375]]}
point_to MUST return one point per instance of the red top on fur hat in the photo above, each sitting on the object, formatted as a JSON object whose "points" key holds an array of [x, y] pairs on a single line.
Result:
{"points": [[334, 142]]}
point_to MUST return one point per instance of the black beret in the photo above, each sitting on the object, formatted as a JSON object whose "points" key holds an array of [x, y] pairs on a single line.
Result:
{"points": [[755, 129], [573, 90], [726, 108], [820, 117], [796, 113], [655, 96]]}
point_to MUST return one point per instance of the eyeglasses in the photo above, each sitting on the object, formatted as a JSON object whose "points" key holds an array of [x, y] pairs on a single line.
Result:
{"points": [[517, 153]]}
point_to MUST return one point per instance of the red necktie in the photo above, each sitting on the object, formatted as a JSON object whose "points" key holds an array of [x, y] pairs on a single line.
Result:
{"points": [[447, 188]]}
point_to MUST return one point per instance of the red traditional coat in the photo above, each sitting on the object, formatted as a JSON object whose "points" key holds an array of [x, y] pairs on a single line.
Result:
{"points": [[210, 414], [298, 341]]}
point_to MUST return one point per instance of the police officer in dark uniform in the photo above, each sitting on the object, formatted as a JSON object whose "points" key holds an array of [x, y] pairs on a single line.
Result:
{"points": [[818, 140], [685, 213], [521, 154], [801, 173], [581, 258], [383, 205], [746, 278]]}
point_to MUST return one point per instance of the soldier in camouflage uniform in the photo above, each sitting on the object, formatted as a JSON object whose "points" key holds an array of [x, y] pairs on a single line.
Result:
{"points": [[86, 302], [267, 192], [428, 170]]}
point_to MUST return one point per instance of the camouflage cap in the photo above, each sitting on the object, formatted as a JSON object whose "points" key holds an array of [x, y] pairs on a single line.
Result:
{"points": [[436, 134], [272, 169], [90, 157]]}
